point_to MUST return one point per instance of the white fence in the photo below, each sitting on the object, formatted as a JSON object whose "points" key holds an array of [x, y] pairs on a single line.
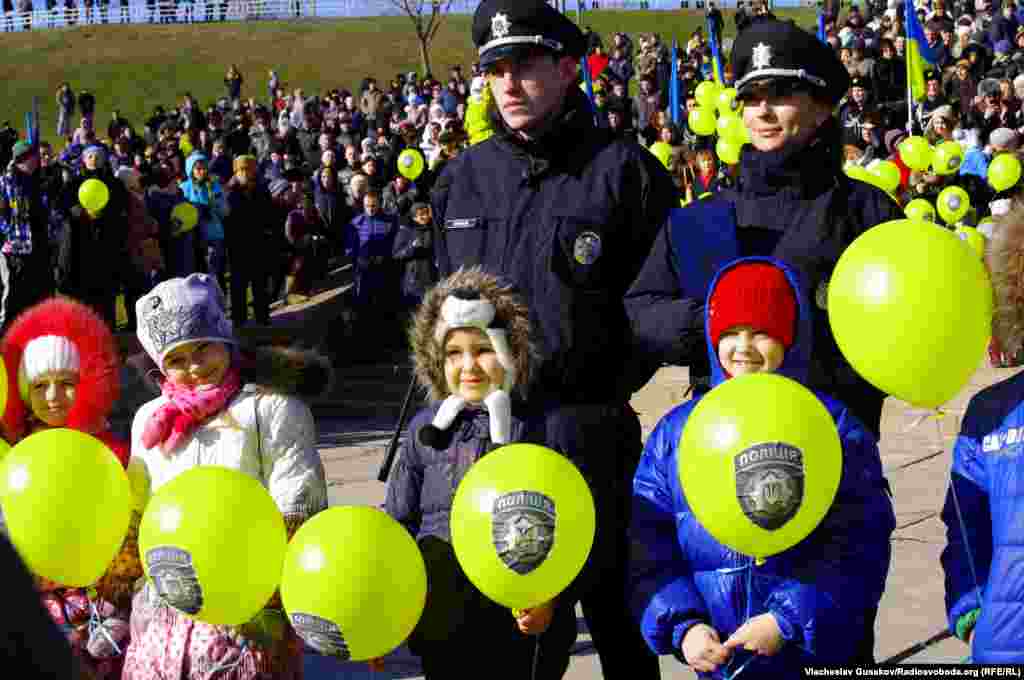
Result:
{"points": [[21, 15]]}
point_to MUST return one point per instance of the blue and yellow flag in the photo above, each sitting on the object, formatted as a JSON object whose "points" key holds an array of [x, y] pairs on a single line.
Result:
{"points": [[920, 57], [716, 53]]}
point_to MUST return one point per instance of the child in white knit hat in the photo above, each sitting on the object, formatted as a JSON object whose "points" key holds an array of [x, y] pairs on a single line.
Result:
{"points": [[471, 349], [215, 409], [63, 370]]}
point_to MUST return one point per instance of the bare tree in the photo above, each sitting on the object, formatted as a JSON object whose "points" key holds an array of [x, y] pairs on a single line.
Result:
{"points": [[427, 17]]}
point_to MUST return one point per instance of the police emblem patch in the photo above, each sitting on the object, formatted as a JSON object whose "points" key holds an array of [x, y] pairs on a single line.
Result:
{"points": [[175, 578], [500, 25], [821, 295], [322, 635], [761, 56], [587, 248], [523, 528], [770, 483]]}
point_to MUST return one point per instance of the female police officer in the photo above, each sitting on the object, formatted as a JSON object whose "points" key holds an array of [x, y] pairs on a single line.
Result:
{"points": [[792, 201]]}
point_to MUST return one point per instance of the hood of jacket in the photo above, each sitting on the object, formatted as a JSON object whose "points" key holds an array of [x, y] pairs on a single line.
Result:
{"points": [[191, 161], [796, 363]]}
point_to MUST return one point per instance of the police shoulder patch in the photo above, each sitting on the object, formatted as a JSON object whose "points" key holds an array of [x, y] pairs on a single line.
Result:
{"points": [[587, 248], [523, 529], [770, 483]]}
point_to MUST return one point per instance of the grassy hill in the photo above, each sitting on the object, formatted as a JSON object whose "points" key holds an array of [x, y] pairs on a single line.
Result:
{"points": [[133, 68]]}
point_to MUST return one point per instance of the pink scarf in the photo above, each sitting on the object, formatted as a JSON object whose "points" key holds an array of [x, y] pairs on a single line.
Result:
{"points": [[186, 409]]}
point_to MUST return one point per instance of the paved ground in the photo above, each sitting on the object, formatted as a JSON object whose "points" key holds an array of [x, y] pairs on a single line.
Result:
{"points": [[916, 457]]}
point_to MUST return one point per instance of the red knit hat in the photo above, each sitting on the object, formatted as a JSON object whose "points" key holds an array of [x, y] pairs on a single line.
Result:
{"points": [[755, 294]]}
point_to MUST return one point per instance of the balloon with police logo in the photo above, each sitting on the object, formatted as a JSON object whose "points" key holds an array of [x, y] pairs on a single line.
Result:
{"points": [[916, 153], [973, 238], [184, 218], [212, 542], [759, 463], [706, 95], [911, 274], [887, 174], [1004, 171], [522, 524], [952, 204], [728, 151], [332, 586], [727, 103], [67, 503], [920, 209], [662, 151], [946, 158], [410, 164], [702, 121], [93, 195]]}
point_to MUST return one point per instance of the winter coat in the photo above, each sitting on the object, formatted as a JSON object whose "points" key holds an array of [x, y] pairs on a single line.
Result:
{"points": [[251, 228], [208, 198], [415, 251], [821, 591], [988, 488]]}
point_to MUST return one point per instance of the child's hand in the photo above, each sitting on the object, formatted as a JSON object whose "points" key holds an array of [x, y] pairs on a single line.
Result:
{"points": [[760, 635], [702, 649], [376, 665], [535, 620]]}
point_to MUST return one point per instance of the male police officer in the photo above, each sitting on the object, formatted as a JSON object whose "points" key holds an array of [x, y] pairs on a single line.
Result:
{"points": [[792, 201], [567, 213]]}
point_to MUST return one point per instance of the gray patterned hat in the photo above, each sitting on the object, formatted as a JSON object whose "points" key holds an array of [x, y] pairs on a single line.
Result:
{"points": [[179, 311]]}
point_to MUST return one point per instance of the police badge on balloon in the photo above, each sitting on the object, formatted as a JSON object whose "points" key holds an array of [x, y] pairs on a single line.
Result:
{"points": [[524, 529], [322, 635], [769, 483], [175, 578]]}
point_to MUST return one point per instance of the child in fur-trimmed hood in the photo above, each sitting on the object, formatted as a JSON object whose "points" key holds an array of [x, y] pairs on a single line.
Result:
{"points": [[471, 345]]}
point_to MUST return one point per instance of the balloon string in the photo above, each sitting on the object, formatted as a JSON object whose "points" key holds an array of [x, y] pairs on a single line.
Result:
{"points": [[96, 624], [923, 416], [750, 601], [234, 664]]}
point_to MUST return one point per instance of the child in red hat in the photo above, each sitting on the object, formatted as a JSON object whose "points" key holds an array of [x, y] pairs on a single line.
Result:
{"points": [[706, 604]]}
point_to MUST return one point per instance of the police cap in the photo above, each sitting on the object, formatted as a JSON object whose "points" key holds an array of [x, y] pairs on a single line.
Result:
{"points": [[776, 49], [510, 28]]}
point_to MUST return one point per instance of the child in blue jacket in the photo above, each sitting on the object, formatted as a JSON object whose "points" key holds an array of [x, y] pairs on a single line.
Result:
{"points": [[712, 608], [983, 512]]}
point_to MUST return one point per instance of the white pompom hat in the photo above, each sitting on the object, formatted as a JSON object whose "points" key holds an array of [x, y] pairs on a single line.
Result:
{"points": [[46, 354]]}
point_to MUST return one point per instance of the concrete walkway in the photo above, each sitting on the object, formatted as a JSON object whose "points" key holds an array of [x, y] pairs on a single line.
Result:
{"points": [[916, 457]]}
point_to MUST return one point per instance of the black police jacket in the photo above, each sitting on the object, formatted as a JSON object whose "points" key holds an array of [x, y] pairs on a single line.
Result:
{"points": [[795, 205], [569, 219]]}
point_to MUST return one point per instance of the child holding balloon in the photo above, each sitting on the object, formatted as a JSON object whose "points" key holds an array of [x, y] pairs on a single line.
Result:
{"points": [[65, 373], [982, 510], [229, 406], [472, 351], [705, 603]]}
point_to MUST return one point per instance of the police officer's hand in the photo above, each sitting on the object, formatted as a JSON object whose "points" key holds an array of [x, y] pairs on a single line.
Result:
{"points": [[702, 649], [535, 620], [760, 635]]}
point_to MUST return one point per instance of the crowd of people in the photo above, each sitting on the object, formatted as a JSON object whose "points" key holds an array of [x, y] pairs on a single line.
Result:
{"points": [[549, 271]]}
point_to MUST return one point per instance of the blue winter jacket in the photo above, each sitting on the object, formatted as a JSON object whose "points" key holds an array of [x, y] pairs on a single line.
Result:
{"points": [[208, 198], [821, 591], [989, 488]]}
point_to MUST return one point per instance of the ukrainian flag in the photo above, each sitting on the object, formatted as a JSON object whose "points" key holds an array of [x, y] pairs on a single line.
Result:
{"points": [[920, 57], [714, 42]]}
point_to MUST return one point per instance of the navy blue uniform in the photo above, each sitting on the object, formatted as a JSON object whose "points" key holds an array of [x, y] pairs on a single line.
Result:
{"points": [[569, 219]]}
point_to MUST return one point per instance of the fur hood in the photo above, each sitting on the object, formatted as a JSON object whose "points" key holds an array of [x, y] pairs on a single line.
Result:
{"points": [[510, 312], [1005, 260], [292, 371]]}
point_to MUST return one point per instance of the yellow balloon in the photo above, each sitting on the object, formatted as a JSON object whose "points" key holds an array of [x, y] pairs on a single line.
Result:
{"points": [[920, 209], [730, 128], [3, 386], [973, 238], [727, 101], [184, 217], [706, 94], [953, 203], [662, 151], [67, 503], [903, 275], [1004, 171], [916, 153], [947, 158], [727, 151], [411, 164], [732, 432], [888, 174], [522, 524], [212, 542], [93, 195], [332, 588], [702, 121]]}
